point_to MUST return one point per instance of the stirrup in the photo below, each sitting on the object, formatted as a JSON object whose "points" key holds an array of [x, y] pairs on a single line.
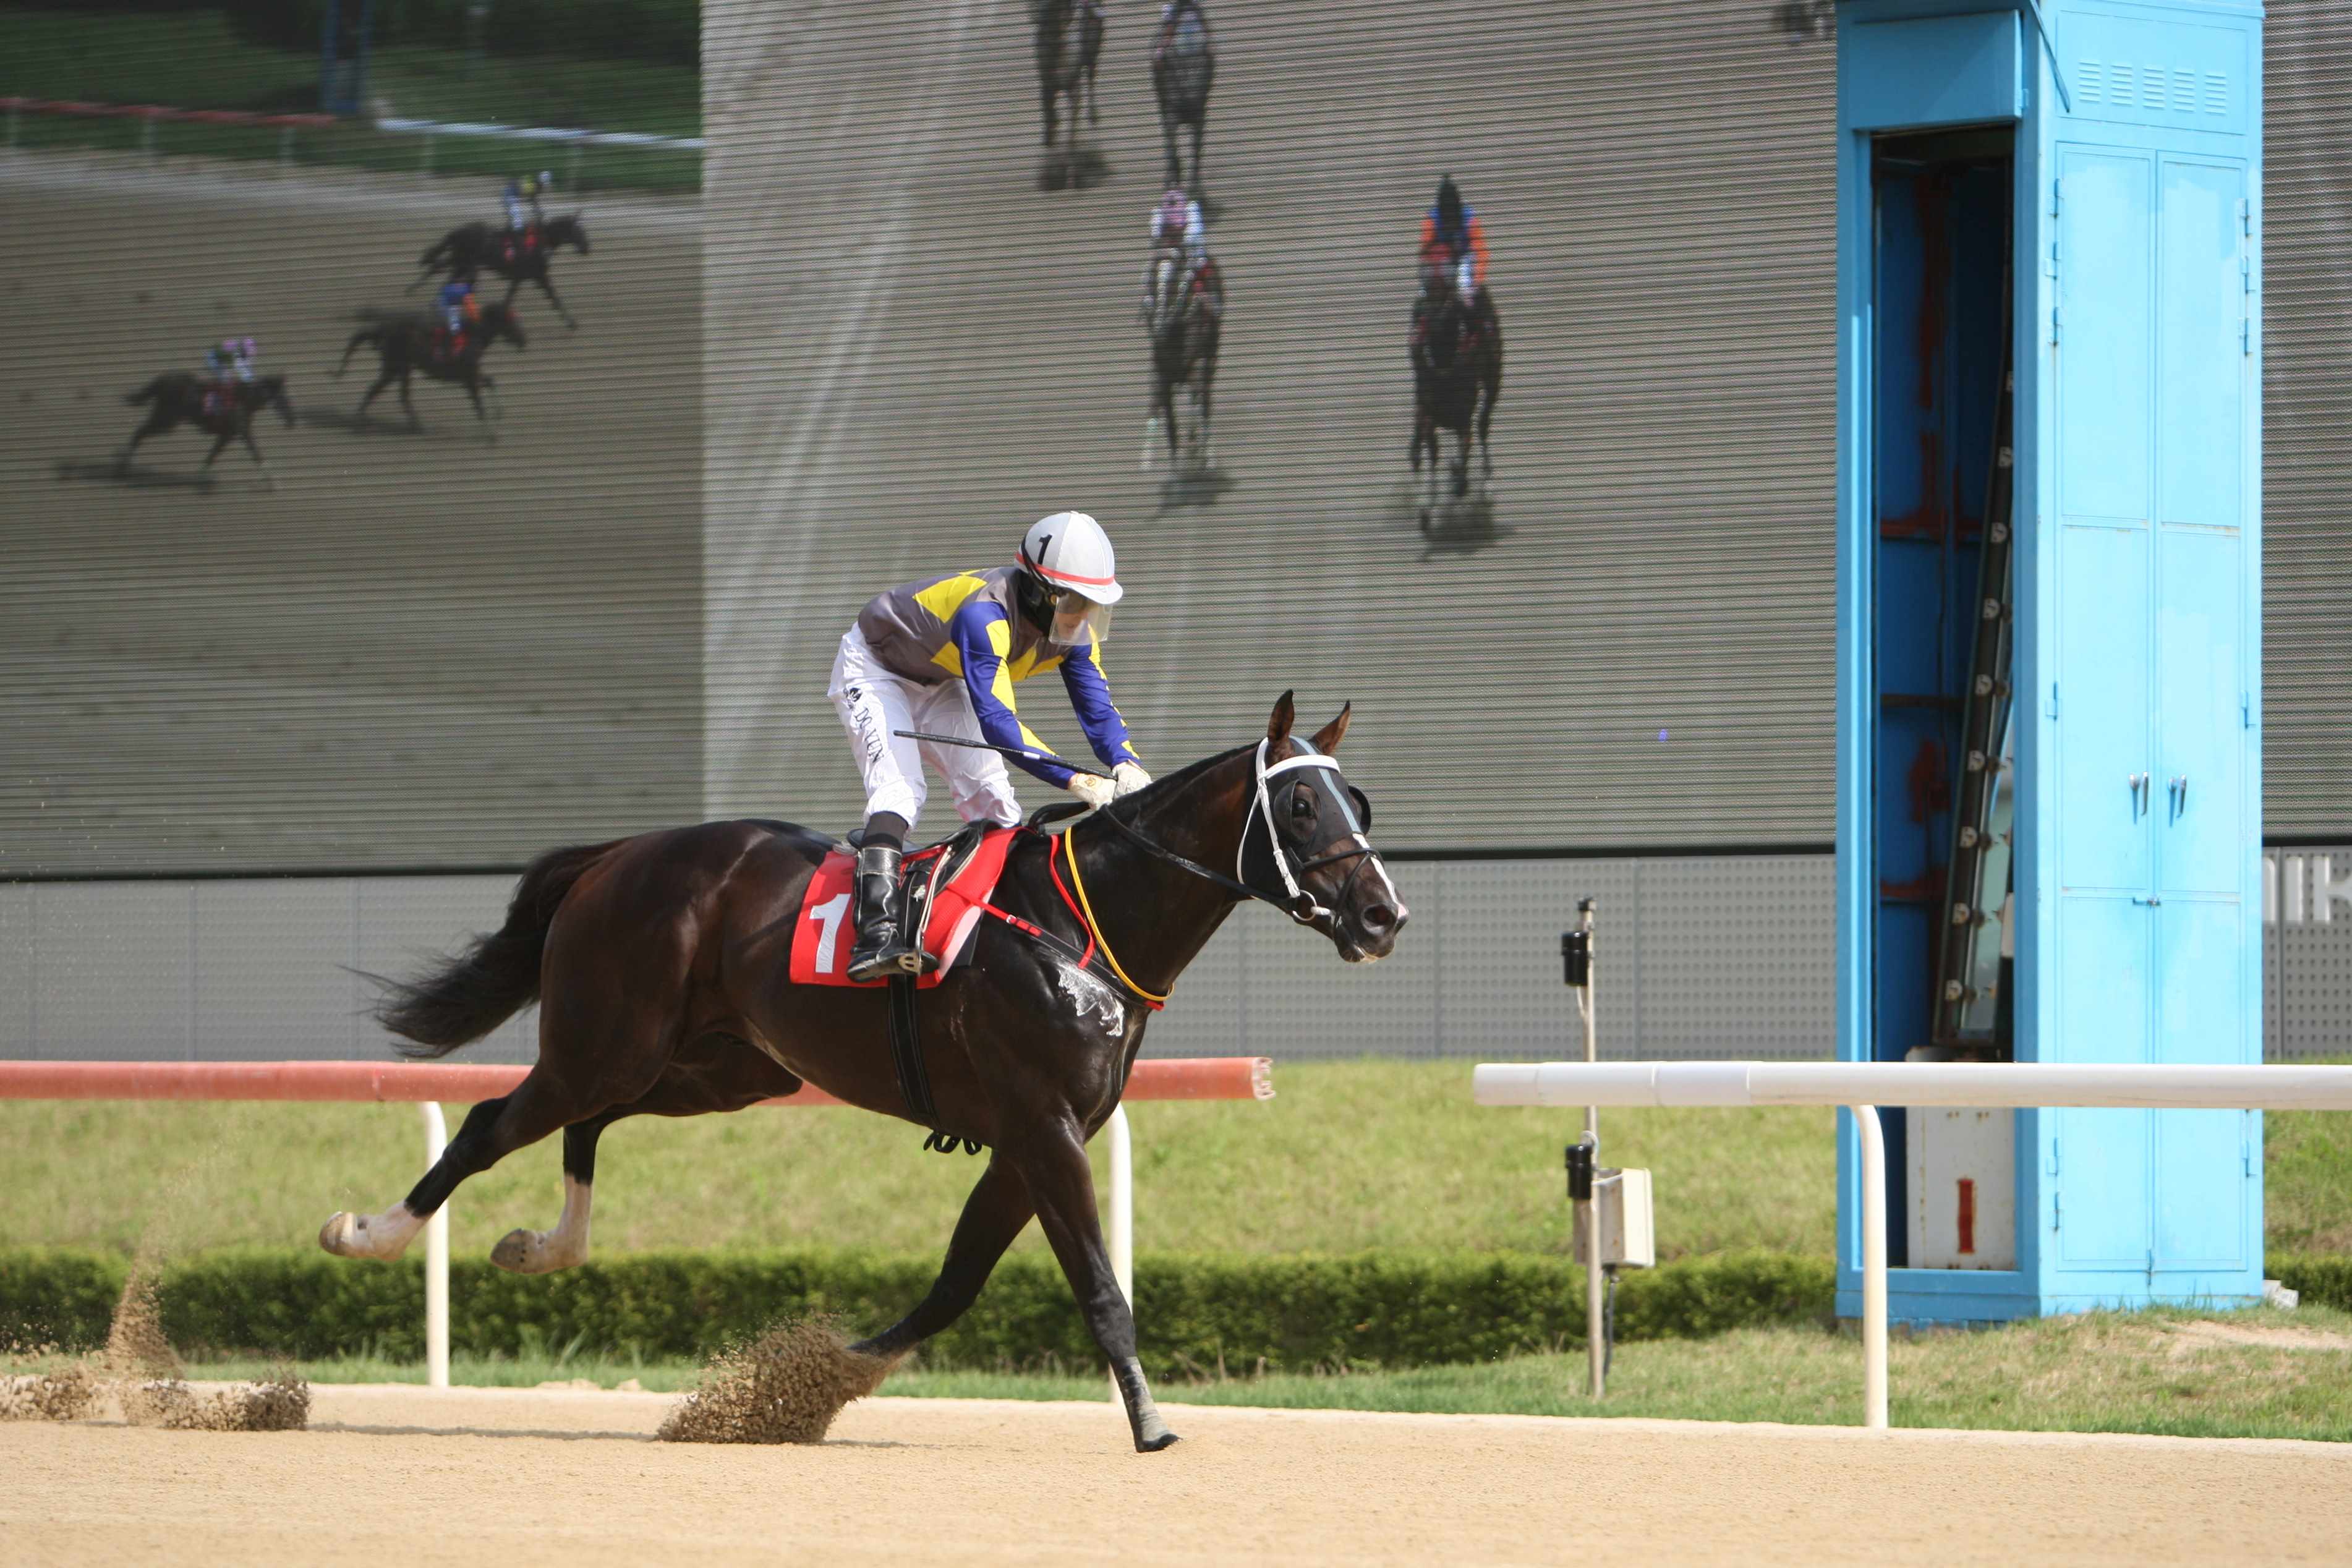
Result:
{"points": [[888, 964]]}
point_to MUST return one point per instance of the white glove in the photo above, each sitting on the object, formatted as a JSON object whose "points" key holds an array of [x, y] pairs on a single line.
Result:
{"points": [[1130, 777], [1094, 792]]}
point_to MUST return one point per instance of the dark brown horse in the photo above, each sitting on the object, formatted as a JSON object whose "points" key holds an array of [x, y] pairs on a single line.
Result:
{"points": [[471, 250], [408, 344], [661, 966], [1069, 43], [225, 413], [1187, 321], [1183, 69], [1456, 347]]}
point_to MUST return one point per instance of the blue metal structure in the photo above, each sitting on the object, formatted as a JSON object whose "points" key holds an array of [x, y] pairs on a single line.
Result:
{"points": [[2049, 360], [346, 29]]}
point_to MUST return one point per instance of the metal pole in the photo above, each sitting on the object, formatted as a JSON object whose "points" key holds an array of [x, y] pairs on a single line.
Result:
{"points": [[1874, 1266], [436, 1259], [1118, 1225], [1596, 1348]]}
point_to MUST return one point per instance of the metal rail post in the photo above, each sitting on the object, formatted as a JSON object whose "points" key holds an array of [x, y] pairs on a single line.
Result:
{"points": [[1873, 1265], [1119, 1224], [437, 1258]]}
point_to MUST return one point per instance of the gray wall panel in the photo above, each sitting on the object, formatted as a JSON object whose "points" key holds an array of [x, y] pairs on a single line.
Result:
{"points": [[16, 969], [1737, 957], [1498, 930], [114, 970], [273, 977]]}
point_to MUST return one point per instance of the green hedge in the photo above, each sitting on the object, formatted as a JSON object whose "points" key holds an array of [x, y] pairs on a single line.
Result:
{"points": [[2324, 1281], [1194, 1312], [665, 32]]}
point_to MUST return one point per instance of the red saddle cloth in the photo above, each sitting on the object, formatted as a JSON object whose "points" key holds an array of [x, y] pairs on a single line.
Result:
{"points": [[823, 936]]}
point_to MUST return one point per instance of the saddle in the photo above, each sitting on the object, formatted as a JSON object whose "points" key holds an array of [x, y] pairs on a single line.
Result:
{"points": [[943, 890]]}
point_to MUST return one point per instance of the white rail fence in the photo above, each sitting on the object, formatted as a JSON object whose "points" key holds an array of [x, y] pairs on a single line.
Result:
{"points": [[1863, 1087]]}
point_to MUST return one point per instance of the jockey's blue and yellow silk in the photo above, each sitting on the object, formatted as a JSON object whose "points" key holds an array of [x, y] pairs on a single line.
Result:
{"points": [[964, 626]]}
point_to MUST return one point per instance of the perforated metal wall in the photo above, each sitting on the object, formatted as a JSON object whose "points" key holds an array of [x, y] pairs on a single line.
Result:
{"points": [[1698, 958]]}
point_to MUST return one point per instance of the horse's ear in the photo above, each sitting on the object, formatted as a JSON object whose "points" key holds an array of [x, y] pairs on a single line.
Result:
{"points": [[1277, 727], [1326, 739]]}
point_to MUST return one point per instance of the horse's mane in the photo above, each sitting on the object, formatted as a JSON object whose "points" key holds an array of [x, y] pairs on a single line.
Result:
{"points": [[1171, 783]]}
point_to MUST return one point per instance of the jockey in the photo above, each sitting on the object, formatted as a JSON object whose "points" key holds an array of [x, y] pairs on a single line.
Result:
{"points": [[459, 309], [943, 654], [1172, 12], [1454, 224], [520, 191], [1175, 226], [231, 362]]}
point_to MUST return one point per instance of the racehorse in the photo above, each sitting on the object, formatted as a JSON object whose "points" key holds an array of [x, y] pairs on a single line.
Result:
{"points": [[473, 248], [408, 344], [1457, 372], [1183, 67], [661, 967], [1069, 42], [226, 414], [1187, 311]]}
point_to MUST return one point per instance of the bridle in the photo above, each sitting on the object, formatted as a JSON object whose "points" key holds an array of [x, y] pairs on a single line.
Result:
{"points": [[1293, 900]]}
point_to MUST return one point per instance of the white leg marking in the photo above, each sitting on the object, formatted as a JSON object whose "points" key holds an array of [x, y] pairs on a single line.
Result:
{"points": [[385, 1235], [545, 1251]]}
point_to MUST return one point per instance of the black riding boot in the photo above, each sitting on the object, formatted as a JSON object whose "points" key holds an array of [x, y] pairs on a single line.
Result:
{"points": [[879, 953]]}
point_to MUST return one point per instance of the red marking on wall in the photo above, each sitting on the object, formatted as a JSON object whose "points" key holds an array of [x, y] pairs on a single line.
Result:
{"points": [[1968, 1216]]}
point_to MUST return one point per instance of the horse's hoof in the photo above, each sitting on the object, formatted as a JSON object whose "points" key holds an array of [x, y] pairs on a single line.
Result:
{"points": [[1425, 521], [344, 1236], [528, 1252], [1152, 1442]]}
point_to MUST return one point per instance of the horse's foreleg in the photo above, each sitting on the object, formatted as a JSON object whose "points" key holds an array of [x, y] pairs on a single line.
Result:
{"points": [[474, 391], [1061, 1186], [493, 1130], [1053, 121], [218, 447], [565, 1247], [383, 381], [555, 300], [1168, 141], [999, 1206], [266, 477]]}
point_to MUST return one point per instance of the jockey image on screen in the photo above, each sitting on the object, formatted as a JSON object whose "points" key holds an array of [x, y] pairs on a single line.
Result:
{"points": [[458, 307], [521, 199], [943, 655], [1454, 224], [1176, 226]]}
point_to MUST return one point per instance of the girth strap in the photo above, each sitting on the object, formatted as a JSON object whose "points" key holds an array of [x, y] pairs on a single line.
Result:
{"points": [[914, 1080]]}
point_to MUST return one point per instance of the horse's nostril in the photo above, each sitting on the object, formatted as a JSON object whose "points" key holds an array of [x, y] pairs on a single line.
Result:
{"points": [[1380, 916]]}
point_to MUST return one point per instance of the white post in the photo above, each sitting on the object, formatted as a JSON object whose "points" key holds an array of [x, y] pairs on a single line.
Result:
{"points": [[1118, 1225], [436, 1261], [1873, 1265], [1596, 1349]]}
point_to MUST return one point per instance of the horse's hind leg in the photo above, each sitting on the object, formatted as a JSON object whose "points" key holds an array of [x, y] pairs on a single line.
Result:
{"points": [[493, 1130], [565, 1247], [386, 379], [999, 1206]]}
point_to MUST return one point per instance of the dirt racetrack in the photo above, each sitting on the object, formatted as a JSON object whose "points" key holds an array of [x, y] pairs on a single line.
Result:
{"points": [[525, 1477]]}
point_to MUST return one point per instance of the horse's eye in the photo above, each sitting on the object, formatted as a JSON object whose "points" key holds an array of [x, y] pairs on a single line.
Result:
{"points": [[1302, 806]]}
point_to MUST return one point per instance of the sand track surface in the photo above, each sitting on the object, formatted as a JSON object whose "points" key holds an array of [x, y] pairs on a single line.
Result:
{"points": [[525, 1477]]}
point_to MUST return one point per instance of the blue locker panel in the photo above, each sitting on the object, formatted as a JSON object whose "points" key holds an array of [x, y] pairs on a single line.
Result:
{"points": [[2106, 340], [2200, 785], [2201, 394], [2201, 1172], [2102, 1155], [2105, 700]]}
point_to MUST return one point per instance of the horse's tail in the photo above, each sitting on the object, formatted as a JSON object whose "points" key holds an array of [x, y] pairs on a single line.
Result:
{"points": [[497, 976], [147, 394]]}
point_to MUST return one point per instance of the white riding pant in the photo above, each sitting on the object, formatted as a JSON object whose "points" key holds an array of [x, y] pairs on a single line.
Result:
{"points": [[1466, 277], [876, 702]]}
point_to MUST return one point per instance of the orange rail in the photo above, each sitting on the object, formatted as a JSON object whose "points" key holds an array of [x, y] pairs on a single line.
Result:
{"points": [[1210, 1078]]}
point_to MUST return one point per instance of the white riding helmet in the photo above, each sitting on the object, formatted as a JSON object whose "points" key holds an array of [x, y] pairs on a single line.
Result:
{"points": [[1070, 552]]}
